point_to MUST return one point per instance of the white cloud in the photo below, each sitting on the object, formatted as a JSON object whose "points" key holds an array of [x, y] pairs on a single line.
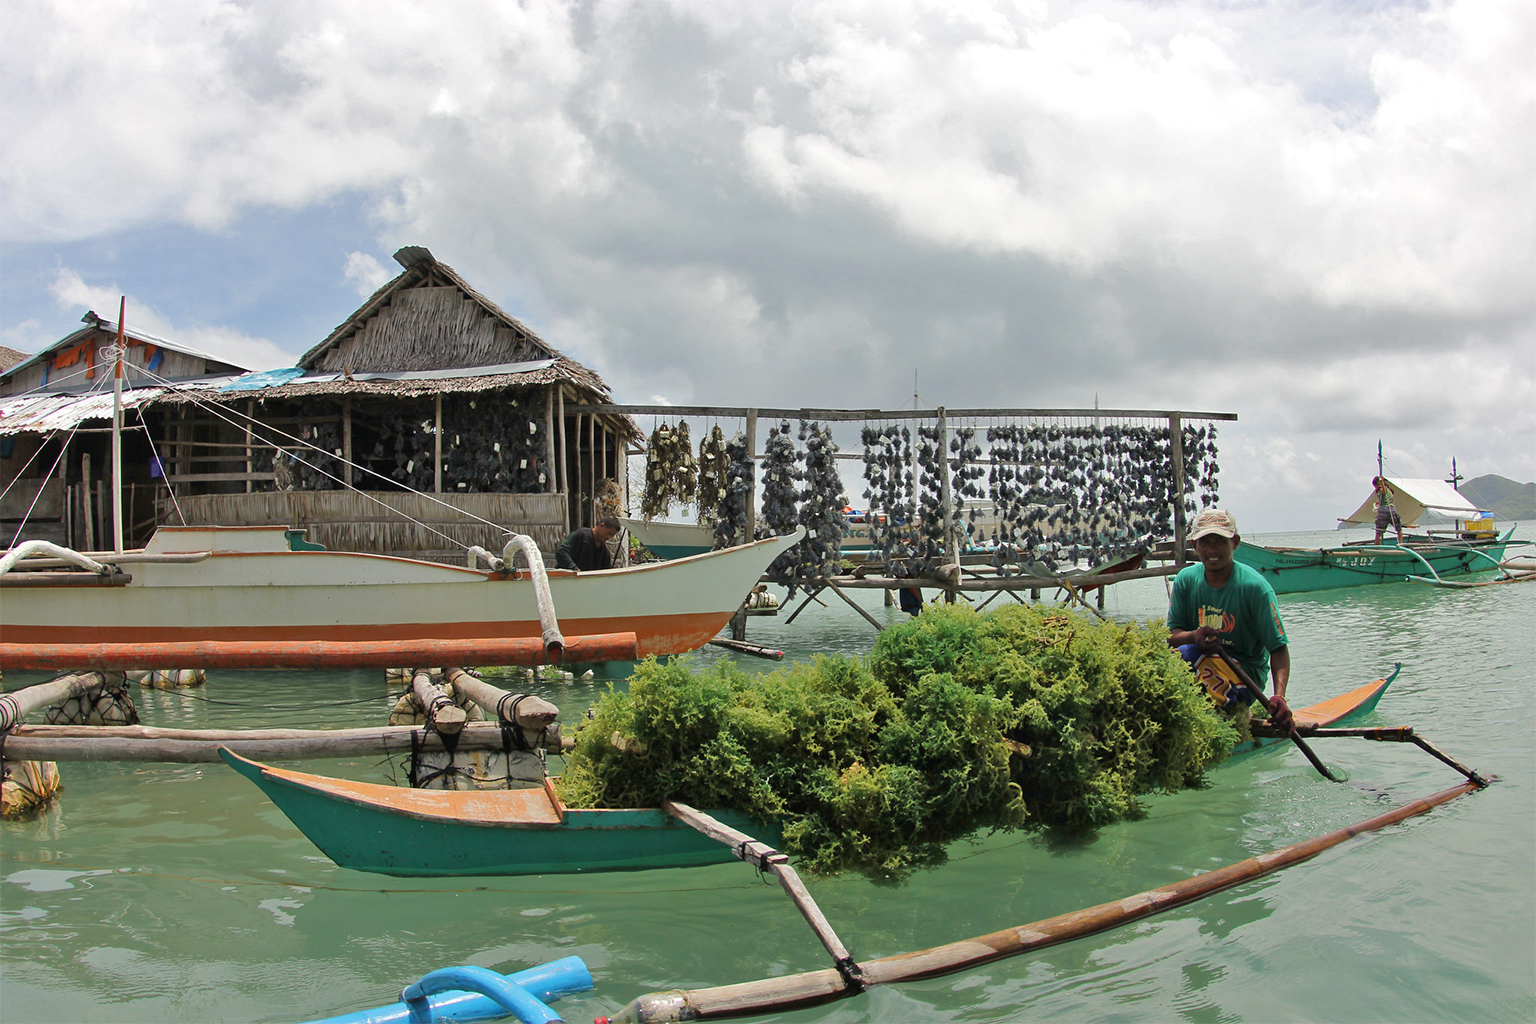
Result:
{"points": [[1316, 215], [366, 273], [71, 292]]}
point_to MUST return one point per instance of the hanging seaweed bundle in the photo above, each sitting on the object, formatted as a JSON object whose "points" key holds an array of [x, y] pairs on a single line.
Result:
{"points": [[492, 444], [956, 723], [671, 472], [781, 492], [1073, 492], [404, 450], [731, 521], [823, 505], [888, 492], [714, 475]]}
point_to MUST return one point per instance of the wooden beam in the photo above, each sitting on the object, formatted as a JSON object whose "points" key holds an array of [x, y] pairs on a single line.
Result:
{"points": [[851, 415]]}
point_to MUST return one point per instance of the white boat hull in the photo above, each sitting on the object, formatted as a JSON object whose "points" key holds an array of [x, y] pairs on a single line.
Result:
{"points": [[250, 587]]}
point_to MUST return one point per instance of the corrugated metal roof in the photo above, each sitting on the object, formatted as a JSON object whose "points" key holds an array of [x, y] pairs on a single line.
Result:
{"points": [[43, 413]]}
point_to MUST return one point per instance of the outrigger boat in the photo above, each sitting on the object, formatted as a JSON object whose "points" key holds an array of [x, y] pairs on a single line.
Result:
{"points": [[258, 597], [417, 832], [1471, 545]]}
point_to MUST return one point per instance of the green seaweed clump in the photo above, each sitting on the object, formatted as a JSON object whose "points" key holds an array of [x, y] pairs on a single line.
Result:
{"points": [[955, 723]]}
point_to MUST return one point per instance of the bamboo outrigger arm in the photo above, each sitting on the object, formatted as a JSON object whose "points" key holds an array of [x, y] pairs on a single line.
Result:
{"points": [[817, 987], [770, 861]]}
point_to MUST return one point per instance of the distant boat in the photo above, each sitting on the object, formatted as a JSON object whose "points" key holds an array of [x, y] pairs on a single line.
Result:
{"points": [[1470, 545], [261, 597], [421, 832]]}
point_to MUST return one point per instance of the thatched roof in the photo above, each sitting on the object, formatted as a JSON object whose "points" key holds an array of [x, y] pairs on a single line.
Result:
{"points": [[9, 357], [429, 318]]}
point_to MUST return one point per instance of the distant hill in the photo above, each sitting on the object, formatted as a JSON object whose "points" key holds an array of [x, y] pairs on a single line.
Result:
{"points": [[1508, 499]]}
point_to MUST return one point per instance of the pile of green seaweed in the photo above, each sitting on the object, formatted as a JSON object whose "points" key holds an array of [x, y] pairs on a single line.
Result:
{"points": [[1025, 717]]}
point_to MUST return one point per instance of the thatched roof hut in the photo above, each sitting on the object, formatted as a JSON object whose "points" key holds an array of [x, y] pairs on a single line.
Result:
{"points": [[428, 386]]}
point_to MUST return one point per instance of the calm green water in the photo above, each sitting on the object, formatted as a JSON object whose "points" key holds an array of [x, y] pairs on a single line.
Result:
{"points": [[178, 893]]}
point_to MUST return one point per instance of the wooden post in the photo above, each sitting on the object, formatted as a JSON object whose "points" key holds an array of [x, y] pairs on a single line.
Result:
{"points": [[1176, 447], [437, 445], [552, 477], [87, 515], [752, 486], [564, 455], [346, 438], [946, 502], [589, 510], [250, 415]]}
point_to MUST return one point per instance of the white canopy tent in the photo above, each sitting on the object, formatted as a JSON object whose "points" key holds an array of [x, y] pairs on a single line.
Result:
{"points": [[1413, 498]]}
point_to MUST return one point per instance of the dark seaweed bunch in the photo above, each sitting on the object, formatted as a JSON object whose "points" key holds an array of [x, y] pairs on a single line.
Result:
{"points": [[956, 723], [823, 505], [932, 524], [491, 444], [964, 489], [1071, 492], [781, 491], [888, 492], [404, 450], [671, 472], [731, 517], [714, 475]]}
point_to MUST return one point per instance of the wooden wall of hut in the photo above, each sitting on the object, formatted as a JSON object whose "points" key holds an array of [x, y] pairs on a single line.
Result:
{"points": [[72, 504], [388, 522]]}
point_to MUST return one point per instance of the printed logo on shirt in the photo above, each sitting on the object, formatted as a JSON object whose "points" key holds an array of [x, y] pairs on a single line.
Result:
{"points": [[1217, 619]]}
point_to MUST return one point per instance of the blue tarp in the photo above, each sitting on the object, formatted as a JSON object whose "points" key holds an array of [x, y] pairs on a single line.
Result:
{"points": [[264, 379]]}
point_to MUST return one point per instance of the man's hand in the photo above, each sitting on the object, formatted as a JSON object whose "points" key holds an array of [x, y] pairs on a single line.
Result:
{"points": [[1279, 712], [1207, 640]]}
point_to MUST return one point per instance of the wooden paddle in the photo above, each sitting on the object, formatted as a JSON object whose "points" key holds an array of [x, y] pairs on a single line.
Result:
{"points": [[1258, 695]]}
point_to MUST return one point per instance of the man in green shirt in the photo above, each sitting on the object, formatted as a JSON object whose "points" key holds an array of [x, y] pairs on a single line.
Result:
{"points": [[1222, 604], [586, 549]]}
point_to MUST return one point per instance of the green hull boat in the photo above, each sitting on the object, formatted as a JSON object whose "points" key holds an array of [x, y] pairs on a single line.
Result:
{"points": [[425, 832], [1301, 570]]}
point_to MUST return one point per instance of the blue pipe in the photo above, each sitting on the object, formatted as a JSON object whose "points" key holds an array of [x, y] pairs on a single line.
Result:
{"points": [[464, 994]]}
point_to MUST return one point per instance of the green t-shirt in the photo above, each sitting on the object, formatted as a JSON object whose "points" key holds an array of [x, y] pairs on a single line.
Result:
{"points": [[1243, 613]]}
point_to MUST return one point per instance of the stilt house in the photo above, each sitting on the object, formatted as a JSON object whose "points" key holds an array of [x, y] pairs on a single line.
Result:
{"points": [[429, 387], [56, 411]]}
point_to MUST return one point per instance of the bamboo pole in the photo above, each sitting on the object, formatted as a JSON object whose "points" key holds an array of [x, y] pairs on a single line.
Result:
{"points": [[879, 626], [529, 650], [816, 987], [346, 441], [770, 861], [250, 419], [524, 709], [19, 704], [752, 482], [201, 746]]}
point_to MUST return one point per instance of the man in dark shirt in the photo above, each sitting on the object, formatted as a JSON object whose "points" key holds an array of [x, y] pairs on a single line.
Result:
{"points": [[587, 549]]}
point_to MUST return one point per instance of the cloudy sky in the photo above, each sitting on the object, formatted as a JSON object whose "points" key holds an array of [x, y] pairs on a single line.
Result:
{"points": [[1316, 215]]}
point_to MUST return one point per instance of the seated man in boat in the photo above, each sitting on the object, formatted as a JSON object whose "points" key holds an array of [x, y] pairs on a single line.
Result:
{"points": [[1222, 604], [1386, 512], [587, 548]]}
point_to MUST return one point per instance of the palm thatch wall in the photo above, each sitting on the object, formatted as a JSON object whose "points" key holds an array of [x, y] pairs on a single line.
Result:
{"points": [[435, 528]]}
